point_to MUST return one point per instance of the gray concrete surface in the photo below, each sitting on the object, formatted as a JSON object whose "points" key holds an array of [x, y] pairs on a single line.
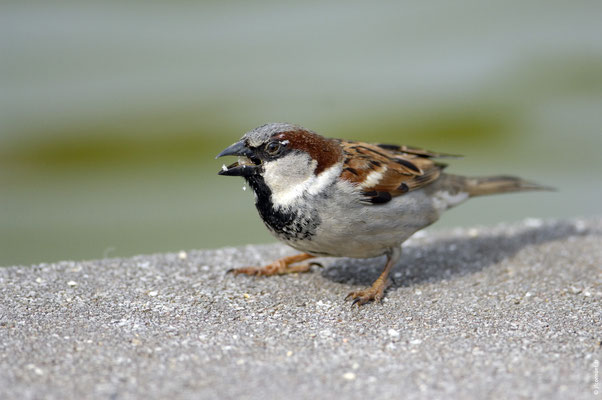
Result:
{"points": [[506, 312]]}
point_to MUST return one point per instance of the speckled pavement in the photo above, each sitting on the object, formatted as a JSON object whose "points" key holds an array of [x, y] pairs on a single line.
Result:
{"points": [[512, 311]]}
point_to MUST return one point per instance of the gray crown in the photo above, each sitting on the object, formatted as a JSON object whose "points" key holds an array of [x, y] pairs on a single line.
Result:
{"points": [[263, 133]]}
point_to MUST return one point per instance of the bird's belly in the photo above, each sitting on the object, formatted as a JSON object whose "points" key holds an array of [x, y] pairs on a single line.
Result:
{"points": [[363, 231]]}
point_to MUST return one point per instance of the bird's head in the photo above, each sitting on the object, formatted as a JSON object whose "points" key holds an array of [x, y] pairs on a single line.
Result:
{"points": [[284, 155]]}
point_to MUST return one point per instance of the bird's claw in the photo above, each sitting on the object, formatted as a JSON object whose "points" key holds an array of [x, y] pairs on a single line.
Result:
{"points": [[356, 301], [256, 271], [362, 297]]}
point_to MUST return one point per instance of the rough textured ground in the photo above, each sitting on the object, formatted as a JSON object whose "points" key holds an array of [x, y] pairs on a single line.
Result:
{"points": [[506, 312]]}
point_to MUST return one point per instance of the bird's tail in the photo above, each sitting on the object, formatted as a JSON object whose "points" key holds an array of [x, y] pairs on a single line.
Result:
{"points": [[481, 186]]}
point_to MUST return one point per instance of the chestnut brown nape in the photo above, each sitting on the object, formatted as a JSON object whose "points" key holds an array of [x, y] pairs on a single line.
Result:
{"points": [[326, 152]]}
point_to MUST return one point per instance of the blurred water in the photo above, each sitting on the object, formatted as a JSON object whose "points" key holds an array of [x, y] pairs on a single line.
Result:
{"points": [[110, 113]]}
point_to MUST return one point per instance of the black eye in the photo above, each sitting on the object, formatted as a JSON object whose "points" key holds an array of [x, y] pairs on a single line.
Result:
{"points": [[273, 148]]}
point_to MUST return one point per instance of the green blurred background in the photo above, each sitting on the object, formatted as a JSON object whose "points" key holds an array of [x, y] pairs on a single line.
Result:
{"points": [[111, 112]]}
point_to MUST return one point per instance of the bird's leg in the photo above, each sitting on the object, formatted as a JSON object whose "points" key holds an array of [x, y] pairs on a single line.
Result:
{"points": [[376, 291], [278, 267]]}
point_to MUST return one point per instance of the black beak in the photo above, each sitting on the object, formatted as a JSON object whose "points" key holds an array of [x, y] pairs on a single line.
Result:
{"points": [[237, 149]]}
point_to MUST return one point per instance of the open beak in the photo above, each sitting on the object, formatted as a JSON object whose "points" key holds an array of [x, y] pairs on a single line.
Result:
{"points": [[245, 166]]}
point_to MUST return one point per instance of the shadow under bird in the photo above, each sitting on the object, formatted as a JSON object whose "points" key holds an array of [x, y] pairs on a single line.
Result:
{"points": [[339, 198]]}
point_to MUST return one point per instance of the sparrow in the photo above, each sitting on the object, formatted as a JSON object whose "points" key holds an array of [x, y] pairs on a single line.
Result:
{"points": [[340, 198]]}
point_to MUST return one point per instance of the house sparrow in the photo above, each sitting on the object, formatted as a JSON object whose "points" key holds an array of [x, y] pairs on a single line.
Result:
{"points": [[339, 198]]}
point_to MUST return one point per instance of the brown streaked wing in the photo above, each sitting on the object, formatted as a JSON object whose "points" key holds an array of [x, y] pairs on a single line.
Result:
{"points": [[416, 151], [384, 173]]}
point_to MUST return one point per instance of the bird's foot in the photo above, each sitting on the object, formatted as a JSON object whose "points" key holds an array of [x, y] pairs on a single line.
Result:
{"points": [[275, 268], [373, 293], [278, 267]]}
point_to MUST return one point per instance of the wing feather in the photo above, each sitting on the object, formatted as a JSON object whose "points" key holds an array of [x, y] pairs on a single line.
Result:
{"points": [[387, 171]]}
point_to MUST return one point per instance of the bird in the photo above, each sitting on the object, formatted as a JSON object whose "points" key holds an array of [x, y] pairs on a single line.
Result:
{"points": [[328, 197]]}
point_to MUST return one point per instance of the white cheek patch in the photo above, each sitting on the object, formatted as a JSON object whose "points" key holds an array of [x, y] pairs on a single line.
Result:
{"points": [[443, 200], [288, 190], [287, 176]]}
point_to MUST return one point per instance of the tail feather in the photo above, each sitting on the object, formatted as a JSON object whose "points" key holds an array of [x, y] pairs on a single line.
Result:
{"points": [[481, 186]]}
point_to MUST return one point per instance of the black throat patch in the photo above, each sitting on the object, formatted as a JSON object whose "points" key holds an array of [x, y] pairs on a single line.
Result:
{"points": [[288, 224]]}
